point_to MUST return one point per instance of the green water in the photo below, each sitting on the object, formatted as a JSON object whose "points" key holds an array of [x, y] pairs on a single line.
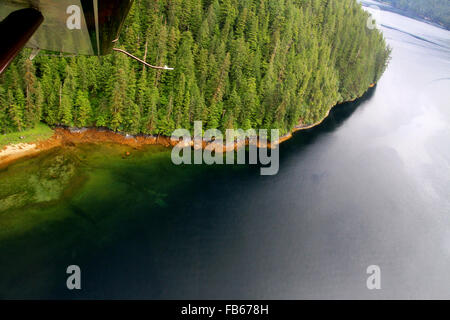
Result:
{"points": [[72, 202], [369, 186]]}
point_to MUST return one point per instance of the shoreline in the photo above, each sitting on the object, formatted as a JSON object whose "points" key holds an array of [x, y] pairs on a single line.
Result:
{"points": [[63, 136]]}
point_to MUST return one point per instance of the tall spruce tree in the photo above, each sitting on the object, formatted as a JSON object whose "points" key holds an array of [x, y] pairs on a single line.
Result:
{"points": [[238, 64]]}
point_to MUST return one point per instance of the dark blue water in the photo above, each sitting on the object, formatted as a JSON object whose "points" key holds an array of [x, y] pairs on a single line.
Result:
{"points": [[369, 186]]}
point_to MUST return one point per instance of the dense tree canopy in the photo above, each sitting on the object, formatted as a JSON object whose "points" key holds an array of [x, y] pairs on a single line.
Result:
{"points": [[238, 64]]}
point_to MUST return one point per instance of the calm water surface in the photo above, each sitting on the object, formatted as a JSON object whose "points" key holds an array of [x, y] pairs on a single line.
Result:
{"points": [[371, 185]]}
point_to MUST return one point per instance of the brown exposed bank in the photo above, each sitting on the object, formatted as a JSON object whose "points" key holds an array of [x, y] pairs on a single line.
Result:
{"points": [[63, 136]]}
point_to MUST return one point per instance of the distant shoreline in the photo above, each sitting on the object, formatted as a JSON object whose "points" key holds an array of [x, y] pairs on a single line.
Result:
{"points": [[413, 15], [72, 136]]}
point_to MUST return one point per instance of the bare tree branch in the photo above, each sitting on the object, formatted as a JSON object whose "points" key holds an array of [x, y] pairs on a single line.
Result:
{"points": [[142, 61]]}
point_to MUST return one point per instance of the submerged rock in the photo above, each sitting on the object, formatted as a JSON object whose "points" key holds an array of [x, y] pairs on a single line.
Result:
{"points": [[43, 179]]}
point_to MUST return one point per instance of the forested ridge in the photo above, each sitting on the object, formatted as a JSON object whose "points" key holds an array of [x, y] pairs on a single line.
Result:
{"points": [[436, 10], [238, 64]]}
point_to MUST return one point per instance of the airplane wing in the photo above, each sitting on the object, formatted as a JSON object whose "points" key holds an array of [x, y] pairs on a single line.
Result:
{"points": [[71, 26]]}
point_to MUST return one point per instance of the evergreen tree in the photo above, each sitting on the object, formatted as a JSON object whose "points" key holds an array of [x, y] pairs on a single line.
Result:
{"points": [[238, 64], [84, 113]]}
